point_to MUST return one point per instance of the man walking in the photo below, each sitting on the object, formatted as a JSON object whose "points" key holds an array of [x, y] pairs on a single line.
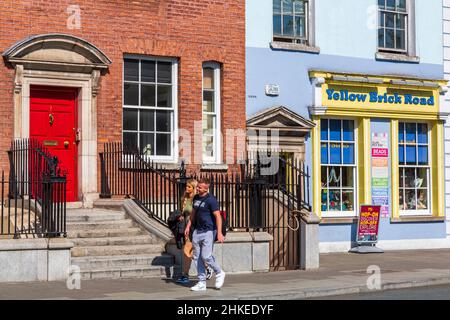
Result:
{"points": [[207, 223]]}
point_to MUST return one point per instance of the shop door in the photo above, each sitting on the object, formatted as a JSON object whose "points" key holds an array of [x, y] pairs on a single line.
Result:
{"points": [[53, 122]]}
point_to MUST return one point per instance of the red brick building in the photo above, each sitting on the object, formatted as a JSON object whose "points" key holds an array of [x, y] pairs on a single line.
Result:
{"points": [[78, 74]]}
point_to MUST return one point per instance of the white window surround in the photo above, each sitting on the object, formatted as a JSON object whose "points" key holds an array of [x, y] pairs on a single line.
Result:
{"points": [[426, 212], [217, 158], [355, 212], [173, 158], [410, 54]]}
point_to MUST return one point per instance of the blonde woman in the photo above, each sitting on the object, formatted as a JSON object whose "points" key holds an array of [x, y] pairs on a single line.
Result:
{"points": [[186, 208]]}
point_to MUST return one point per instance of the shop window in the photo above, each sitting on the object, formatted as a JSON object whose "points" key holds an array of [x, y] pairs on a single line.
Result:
{"points": [[291, 22], [414, 184], [394, 34], [211, 113], [338, 167], [149, 106]]}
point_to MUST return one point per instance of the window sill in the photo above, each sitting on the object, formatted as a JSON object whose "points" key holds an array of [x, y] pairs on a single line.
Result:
{"points": [[294, 47], [418, 219], [215, 167], [386, 56], [345, 220]]}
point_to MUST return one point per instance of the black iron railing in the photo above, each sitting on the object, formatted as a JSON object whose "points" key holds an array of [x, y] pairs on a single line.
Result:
{"points": [[34, 194]]}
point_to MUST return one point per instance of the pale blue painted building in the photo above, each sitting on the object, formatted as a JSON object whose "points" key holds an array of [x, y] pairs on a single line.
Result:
{"points": [[344, 38]]}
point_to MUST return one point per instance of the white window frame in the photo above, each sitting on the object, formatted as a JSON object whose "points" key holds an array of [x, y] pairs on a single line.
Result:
{"points": [[422, 212], [173, 158], [217, 148], [341, 214], [410, 43]]}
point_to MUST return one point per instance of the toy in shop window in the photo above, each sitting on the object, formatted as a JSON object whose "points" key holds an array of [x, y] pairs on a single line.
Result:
{"points": [[421, 200], [324, 200], [335, 204]]}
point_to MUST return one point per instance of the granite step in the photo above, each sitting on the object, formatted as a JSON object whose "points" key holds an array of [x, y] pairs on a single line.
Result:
{"points": [[119, 224], [100, 233], [117, 250], [130, 272], [114, 241], [103, 262], [94, 215]]}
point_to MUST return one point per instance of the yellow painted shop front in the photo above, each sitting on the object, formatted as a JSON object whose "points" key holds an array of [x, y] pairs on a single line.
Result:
{"points": [[377, 140]]}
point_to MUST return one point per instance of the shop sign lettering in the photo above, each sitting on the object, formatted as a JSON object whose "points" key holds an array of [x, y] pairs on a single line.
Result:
{"points": [[374, 97]]}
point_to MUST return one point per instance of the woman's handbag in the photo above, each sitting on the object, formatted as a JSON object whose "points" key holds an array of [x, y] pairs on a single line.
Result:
{"points": [[188, 249]]}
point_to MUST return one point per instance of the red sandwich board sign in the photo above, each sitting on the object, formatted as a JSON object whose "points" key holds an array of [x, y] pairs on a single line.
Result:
{"points": [[369, 221]]}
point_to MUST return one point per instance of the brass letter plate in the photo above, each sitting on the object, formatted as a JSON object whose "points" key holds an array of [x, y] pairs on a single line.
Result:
{"points": [[50, 143]]}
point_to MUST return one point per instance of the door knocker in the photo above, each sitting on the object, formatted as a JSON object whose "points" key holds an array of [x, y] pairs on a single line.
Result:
{"points": [[52, 119]]}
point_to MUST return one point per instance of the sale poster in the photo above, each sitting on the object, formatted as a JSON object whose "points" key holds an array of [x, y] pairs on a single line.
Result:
{"points": [[380, 172]]}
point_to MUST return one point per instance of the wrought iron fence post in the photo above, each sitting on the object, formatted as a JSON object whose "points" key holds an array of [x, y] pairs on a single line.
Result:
{"points": [[104, 187]]}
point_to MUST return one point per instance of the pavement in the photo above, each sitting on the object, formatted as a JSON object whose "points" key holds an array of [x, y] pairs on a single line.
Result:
{"points": [[339, 274]]}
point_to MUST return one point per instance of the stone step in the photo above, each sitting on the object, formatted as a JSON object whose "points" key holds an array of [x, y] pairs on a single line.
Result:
{"points": [[116, 250], [114, 241], [119, 224], [94, 216], [100, 233], [130, 272], [103, 262]]}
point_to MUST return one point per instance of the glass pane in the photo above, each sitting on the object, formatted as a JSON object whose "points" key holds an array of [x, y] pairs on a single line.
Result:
{"points": [[381, 19], [131, 94], [163, 144], [324, 177], [401, 5], [335, 153], [208, 146], [349, 133], [300, 27], [381, 3], [163, 121], [400, 40], [422, 199], [147, 120], [401, 201], [422, 133], [130, 119], [381, 38], [348, 153], [410, 133], [390, 17], [324, 153], [347, 177], [399, 21], [390, 4], [148, 71], [164, 72], [410, 199], [422, 155], [422, 178], [277, 25], [335, 200], [348, 200], [208, 124], [402, 177], [411, 155], [288, 26], [165, 96], [299, 7], [208, 78], [324, 129], [277, 6], [410, 176], [287, 6], [131, 70], [148, 95], [208, 101], [389, 38], [335, 130], [401, 132], [401, 154], [147, 144], [130, 140], [324, 200], [334, 177]]}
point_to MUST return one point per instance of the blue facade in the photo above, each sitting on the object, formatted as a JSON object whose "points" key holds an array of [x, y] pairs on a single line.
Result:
{"points": [[347, 39]]}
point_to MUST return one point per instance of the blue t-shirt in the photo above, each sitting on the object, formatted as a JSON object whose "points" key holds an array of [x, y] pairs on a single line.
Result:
{"points": [[204, 208]]}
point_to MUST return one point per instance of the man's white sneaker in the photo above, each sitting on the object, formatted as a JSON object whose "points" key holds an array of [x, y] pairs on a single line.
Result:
{"points": [[220, 278], [200, 286]]}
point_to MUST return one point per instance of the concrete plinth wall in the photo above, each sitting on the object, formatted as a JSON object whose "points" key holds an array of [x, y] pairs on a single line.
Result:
{"points": [[26, 260], [242, 252]]}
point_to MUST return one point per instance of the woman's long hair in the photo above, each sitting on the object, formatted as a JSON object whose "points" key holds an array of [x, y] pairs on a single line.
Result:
{"points": [[193, 183]]}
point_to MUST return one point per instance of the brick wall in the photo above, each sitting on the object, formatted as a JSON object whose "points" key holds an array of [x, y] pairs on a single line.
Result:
{"points": [[193, 31]]}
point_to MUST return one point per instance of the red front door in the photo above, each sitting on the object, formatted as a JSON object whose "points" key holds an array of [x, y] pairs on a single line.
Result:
{"points": [[53, 122]]}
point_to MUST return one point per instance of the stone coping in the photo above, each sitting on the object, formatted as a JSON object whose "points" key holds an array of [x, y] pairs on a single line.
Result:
{"points": [[243, 236], [35, 244]]}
